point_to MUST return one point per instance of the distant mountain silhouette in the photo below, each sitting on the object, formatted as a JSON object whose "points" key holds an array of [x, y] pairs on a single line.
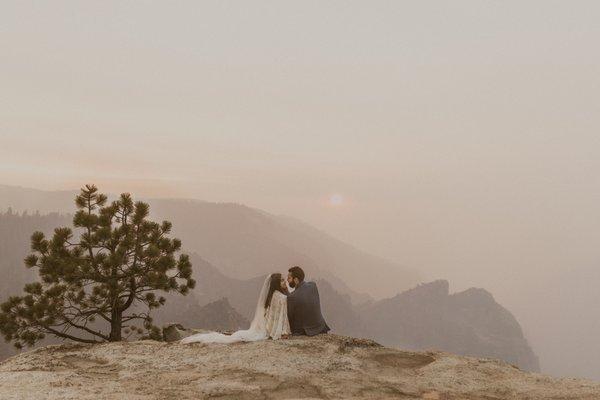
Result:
{"points": [[32, 200], [15, 233], [218, 315], [212, 284], [245, 242], [467, 323]]}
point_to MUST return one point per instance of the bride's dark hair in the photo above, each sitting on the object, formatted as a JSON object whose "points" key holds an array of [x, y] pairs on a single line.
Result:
{"points": [[274, 285]]}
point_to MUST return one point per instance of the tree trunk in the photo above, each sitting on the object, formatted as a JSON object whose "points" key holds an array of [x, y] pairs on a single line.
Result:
{"points": [[115, 326]]}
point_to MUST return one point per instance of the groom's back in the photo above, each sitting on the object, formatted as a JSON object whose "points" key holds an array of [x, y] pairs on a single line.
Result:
{"points": [[304, 311]]}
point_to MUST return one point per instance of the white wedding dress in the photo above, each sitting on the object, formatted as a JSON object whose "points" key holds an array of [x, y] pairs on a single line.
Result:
{"points": [[271, 322]]}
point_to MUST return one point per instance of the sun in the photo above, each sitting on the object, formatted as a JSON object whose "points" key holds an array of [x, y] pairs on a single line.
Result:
{"points": [[336, 200]]}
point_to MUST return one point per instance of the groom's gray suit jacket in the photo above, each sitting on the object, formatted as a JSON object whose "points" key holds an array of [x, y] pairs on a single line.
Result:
{"points": [[304, 310]]}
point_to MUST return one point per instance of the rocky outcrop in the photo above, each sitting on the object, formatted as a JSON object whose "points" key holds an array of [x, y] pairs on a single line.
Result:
{"points": [[467, 323], [323, 367]]}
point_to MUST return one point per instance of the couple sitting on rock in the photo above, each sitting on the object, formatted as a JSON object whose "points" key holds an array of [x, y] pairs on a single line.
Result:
{"points": [[279, 312]]}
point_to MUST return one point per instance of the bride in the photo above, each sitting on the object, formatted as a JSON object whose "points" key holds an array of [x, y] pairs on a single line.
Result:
{"points": [[270, 319]]}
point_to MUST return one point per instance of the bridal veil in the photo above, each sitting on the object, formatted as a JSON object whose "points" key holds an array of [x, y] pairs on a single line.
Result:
{"points": [[257, 331]]}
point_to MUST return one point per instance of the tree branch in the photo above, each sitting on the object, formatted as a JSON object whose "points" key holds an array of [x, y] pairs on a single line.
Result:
{"points": [[67, 336], [85, 328], [132, 293]]}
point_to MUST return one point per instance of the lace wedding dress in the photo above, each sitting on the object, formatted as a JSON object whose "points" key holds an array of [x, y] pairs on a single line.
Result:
{"points": [[271, 322]]}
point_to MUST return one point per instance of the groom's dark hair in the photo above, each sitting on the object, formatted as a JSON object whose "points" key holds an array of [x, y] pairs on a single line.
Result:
{"points": [[297, 272]]}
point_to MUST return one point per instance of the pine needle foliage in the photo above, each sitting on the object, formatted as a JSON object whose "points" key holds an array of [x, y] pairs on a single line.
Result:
{"points": [[100, 283]]}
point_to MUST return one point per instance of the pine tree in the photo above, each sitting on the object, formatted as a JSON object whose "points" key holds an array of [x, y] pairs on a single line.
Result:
{"points": [[99, 285]]}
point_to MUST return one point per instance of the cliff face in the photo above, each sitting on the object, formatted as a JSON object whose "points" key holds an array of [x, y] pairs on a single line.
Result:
{"points": [[467, 323], [323, 367]]}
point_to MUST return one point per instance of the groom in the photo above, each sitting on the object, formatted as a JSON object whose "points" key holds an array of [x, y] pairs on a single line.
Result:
{"points": [[304, 306]]}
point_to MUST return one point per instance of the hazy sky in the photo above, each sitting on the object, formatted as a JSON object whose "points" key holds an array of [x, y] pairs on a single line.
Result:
{"points": [[461, 138]]}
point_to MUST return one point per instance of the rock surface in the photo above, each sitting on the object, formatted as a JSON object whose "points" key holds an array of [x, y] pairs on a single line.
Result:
{"points": [[324, 367]]}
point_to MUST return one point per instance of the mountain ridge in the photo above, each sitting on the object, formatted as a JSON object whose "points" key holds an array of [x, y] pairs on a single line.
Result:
{"points": [[246, 242]]}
